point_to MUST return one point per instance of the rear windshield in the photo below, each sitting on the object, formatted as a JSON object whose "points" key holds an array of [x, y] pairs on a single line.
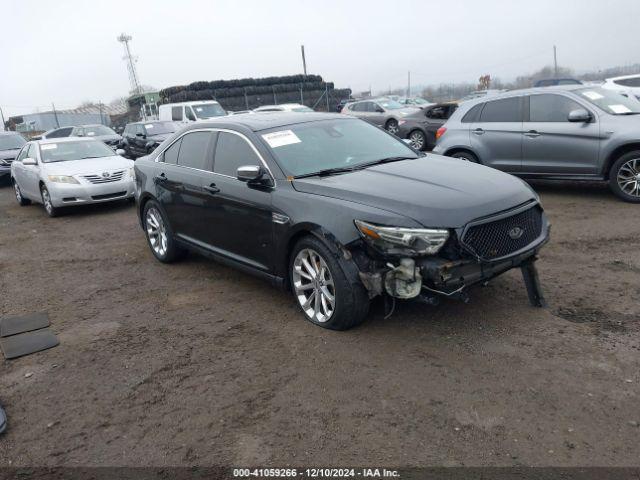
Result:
{"points": [[98, 130], [11, 142], [67, 151], [610, 101]]}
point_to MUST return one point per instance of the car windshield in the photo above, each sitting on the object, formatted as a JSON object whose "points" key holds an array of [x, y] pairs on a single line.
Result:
{"points": [[11, 142], [610, 101], [307, 148], [98, 130], [208, 110], [67, 151], [389, 104], [159, 128]]}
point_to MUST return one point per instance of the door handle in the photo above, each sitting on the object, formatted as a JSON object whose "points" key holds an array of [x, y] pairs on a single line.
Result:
{"points": [[212, 189], [532, 134], [478, 131]]}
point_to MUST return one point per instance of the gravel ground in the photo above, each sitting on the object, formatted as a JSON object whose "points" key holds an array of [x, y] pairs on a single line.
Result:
{"points": [[198, 364]]}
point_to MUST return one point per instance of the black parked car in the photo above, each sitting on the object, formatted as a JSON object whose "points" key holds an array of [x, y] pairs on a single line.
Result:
{"points": [[336, 210], [421, 127], [142, 138], [10, 145]]}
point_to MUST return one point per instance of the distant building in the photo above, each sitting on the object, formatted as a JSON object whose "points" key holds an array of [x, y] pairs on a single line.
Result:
{"points": [[43, 121]]}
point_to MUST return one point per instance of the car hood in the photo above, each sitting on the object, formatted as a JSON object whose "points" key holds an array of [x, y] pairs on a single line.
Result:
{"points": [[88, 166], [435, 191], [106, 138], [13, 153]]}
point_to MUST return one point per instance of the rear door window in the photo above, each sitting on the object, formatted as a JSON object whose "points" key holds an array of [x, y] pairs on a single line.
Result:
{"points": [[551, 108], [504, 110], [233, 151], [194, 151]]}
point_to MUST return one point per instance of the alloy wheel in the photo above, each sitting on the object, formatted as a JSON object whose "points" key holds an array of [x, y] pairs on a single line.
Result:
{"points": [[629, 177], [46, 200], [313, 285], [417, 140], [156, 232], [392, 127], [16, 188]]}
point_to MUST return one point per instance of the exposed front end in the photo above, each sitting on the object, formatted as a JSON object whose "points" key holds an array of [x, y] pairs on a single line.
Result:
{"points": [[91, 188]]}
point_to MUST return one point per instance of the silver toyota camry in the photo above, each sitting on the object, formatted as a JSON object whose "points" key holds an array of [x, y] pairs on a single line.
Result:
{"points": [[64, 172]]}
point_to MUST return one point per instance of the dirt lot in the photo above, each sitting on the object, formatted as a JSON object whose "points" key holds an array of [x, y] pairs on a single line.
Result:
{"points": [[195, 363]]}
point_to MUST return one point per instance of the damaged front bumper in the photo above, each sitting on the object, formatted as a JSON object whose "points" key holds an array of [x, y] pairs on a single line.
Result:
{"points": [[433, 277]]}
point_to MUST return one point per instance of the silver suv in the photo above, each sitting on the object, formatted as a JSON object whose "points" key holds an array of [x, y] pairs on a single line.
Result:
{"points": [[572, 132]]}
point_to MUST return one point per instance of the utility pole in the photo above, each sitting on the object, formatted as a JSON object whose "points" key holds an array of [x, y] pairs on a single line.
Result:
{"points": [[131, 64], [55, 114], [408, 84], [304, 61], [100, 107], [555, 61], [2, 117]]}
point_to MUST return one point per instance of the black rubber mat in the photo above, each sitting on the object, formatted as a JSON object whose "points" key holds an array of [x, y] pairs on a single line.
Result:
{"points": [[25, 343], [23, 323], [3, 420]]}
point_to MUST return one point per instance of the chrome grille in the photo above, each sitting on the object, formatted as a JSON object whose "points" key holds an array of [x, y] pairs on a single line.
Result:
{"points": [[495, 239], [106, 177]]}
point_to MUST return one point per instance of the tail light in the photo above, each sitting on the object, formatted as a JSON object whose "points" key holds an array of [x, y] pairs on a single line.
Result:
{"points": [[440, 132]]}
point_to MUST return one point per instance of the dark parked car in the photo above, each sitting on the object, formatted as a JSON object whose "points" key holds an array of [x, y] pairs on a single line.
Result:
{"points": [[571, 132], [61, 132], [98, 132], [382, 112], [552, 82], [142, 138], [10, 145], [421, 127], [336, 210]]}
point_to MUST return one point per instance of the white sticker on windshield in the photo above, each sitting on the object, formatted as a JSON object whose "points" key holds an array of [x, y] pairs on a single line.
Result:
{"points": [[198, 109], [619, 108], [91, 134], [592, 95], [281, 138], [49, 146], [149, 125]]}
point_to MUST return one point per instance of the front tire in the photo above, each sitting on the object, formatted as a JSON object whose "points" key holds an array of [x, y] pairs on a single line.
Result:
{"points": [[321, 288], [624, 177], [159, 234], [19, 197], [47, 202]]}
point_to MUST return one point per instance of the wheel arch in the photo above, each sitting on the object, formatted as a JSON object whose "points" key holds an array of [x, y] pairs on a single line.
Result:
{"points": [[454, 150], [616, 154]]}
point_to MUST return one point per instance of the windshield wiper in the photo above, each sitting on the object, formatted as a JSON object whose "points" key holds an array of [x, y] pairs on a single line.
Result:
{"points": [[326, 171], [629, 113], [384, 160]]}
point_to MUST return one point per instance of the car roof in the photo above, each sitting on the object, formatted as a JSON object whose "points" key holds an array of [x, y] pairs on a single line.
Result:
{"points": [[524, 91], [64, 140], [622, 77], [268, 120], [191, 102]]}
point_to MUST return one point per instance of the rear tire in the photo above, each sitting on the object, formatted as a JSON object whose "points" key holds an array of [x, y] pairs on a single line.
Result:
{"points": [[418, 140], [468, 156], [19, 197], [159, 234], [391, 126], [624, 177]]}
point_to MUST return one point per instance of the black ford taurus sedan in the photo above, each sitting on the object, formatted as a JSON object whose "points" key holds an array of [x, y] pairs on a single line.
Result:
{"points": [[336, 210]]}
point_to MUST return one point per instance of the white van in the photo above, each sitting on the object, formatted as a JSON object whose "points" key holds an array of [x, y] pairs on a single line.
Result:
{"points": [[190, 111], [628, 85]]}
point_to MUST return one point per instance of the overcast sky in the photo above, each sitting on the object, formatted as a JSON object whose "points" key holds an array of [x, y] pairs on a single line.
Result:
{"points": [[66, 51]]}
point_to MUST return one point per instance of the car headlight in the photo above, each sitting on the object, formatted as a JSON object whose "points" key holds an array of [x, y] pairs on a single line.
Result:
{"points": [[62, 179], [403, 241], [132, 173]]}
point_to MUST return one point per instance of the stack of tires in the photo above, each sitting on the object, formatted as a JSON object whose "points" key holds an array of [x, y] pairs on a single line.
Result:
{"points": [[250, 93]]}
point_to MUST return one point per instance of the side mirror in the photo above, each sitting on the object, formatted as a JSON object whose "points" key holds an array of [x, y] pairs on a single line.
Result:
{"points": [[120, 152], [579, 115], [29, 161], [249, 173]]}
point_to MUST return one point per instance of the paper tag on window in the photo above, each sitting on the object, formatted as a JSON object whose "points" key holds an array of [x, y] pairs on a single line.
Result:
{"points": [[593, 95], [619, 108], [149, 125], [198, 109], [281, 138], [90, 134], [49, 146]]}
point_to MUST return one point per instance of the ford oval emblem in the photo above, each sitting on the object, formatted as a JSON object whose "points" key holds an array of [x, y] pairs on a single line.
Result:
{"points": [[515, 233]]}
